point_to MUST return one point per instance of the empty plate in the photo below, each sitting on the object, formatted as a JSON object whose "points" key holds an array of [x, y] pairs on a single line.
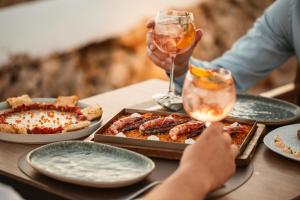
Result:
{"points": [[264, 110], [90, 164]]}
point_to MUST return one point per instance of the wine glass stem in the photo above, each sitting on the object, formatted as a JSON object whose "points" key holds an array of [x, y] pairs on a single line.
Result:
{"points": [[171, 83]]}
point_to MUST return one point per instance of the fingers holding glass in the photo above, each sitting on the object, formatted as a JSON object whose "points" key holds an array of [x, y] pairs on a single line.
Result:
{"points": [[158, 61]]}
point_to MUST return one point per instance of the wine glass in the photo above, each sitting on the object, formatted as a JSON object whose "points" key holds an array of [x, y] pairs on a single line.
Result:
{"points": [[173, 33], [208, 94]]}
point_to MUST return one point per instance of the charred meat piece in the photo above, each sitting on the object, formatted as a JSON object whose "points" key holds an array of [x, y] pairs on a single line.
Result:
{"points": [[298, 134], [129, 123], [162, 124], [191, 129], [234, 128], [136, 125]]}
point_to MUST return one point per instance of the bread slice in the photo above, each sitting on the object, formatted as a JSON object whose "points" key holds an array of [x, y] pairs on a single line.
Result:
{"points": [[66, 101], [8, 128], [92, 112], [17, 101], [77, 126]]}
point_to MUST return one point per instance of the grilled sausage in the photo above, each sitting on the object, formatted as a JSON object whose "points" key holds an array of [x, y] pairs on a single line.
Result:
{"points": [[162, 124], [129, 123], [191, 129]]}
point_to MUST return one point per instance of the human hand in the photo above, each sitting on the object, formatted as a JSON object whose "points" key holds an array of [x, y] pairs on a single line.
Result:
{"points": [[204, 167], [164, 60], [211, 160]]}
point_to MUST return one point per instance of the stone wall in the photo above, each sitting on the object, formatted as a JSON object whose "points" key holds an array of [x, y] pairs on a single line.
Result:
{"points": [[102, 66]]}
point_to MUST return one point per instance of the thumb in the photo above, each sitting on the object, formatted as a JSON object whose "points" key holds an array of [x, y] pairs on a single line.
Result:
{"points": [[199, 34], [198, 37]]}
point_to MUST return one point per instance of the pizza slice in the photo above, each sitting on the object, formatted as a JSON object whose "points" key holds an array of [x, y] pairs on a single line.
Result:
{"points": [[92, 112], [10, 128], [17, 101], [76, 126], [66, 100], [22, 130]]}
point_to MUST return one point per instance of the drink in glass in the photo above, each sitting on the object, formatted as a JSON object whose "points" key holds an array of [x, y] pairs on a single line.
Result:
{"points": [[173, 33], [208, 94]]}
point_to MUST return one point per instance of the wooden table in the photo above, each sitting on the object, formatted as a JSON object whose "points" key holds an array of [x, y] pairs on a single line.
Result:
{"points": [[274, 177]]}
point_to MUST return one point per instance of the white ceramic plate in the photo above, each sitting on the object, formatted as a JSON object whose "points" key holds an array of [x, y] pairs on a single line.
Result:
{"points": [[289, 136], [47, 138], [90, 164]]}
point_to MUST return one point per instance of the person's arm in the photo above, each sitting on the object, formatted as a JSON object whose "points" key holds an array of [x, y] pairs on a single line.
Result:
{"points": [[177, 186], [266, 46], [200, 167]]}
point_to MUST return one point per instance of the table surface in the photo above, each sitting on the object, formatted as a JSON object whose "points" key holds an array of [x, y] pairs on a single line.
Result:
{"points": [[274, 177]]}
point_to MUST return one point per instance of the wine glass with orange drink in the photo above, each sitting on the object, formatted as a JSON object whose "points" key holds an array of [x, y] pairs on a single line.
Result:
{"points": [[173, 33]]}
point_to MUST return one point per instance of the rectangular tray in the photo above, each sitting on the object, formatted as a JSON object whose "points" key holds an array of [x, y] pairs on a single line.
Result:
{"points": [[160, 149]]}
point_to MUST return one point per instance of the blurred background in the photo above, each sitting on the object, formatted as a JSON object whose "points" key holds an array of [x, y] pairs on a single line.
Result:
{"points": [[64, 47]]}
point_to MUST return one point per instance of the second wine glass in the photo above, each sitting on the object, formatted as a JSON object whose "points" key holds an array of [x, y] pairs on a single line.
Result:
{"points": [[174, 33], [208, 94]]}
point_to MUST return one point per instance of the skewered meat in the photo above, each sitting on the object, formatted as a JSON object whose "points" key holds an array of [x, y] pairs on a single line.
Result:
{"points": [[191, 128], [129, 123], [162, 124]]}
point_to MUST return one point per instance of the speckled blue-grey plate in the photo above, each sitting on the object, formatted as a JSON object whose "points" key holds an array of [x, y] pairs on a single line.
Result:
{"points": [[250, 108], [47, 138], [90, 164], [288, 134]]}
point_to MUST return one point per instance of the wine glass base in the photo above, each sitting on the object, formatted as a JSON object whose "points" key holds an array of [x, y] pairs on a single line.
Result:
{"points": [[169, 101]]}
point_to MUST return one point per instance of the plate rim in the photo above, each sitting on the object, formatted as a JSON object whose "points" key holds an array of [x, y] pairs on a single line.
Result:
{"points": [[269, 145], [87, 183], [268, 122]]}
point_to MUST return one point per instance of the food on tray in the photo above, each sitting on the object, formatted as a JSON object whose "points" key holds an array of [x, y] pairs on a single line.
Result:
{"points": [[191, 128], [28, 117], [298, 134], [235, 128], [162, 124], [130, 122], [153, 137], [120, 134], [177, 128], [279, 143], [189, 141]]}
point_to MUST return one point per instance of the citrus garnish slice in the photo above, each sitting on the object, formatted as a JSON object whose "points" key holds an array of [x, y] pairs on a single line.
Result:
{"points": [[199, 72], [207, 79]]}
